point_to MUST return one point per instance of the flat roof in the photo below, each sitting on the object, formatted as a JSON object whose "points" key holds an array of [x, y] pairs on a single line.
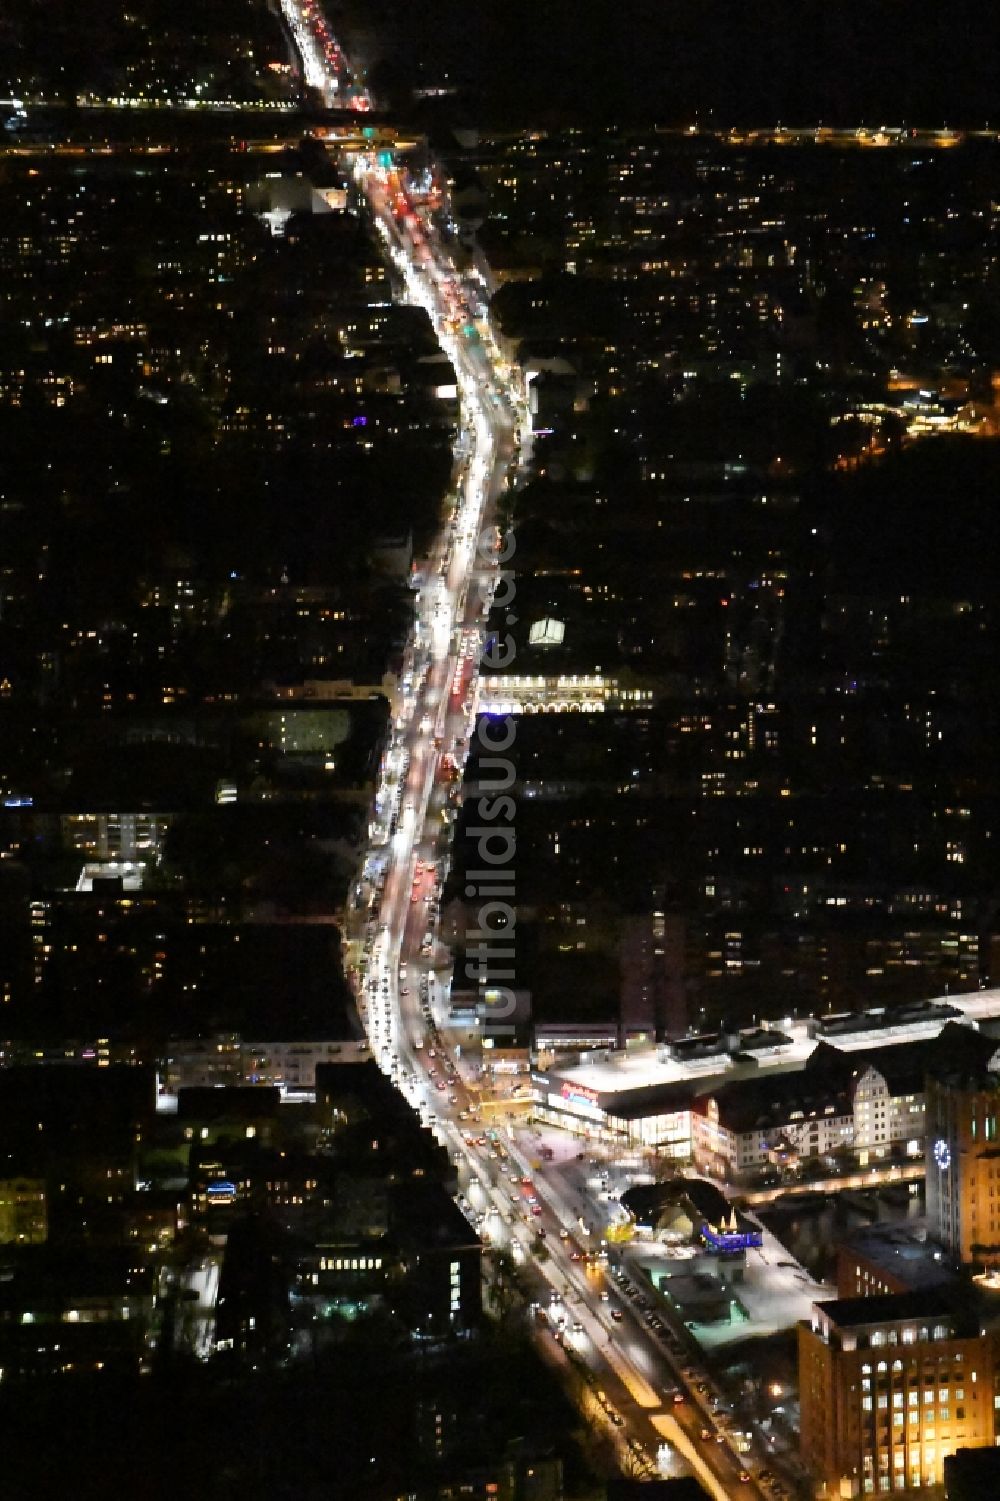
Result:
{"points": [[632, 1073], [653, 1068], [899, 1250], [891, 1308]]}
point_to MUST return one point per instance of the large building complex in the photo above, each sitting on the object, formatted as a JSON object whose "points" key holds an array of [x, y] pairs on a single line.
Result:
{"points": [[901, 1371], [889, 1387], [844, 1087]]}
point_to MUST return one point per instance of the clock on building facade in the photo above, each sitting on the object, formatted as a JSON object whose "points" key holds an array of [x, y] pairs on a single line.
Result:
{"points": [[942, 1155]]}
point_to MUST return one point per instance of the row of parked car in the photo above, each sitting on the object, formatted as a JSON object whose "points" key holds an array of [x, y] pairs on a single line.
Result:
{"points": [[651, 1319], [722, 1430]]}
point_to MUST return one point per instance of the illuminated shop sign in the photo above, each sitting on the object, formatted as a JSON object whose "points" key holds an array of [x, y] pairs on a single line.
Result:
{"points": [[220, 1193], [730, 1240], [579, 1094]]}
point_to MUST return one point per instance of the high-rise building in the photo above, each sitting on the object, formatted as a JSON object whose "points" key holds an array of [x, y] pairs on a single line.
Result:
{"points": [[889, 1386], [963, 1151]]}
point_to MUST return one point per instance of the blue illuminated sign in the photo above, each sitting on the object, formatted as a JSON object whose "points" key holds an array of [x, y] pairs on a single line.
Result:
{"points": [[221, 1190], [731, 1240]]}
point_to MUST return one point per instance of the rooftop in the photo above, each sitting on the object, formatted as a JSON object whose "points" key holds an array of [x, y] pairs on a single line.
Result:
{"points": [[902, 1251], [426, 1218], [230, 1102], [705, 1203], [972, 1467], [630, 1083], [891, 1308]]}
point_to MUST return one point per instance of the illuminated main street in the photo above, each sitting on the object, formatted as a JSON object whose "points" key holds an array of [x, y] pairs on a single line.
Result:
{"points": [[659, 1413]]}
